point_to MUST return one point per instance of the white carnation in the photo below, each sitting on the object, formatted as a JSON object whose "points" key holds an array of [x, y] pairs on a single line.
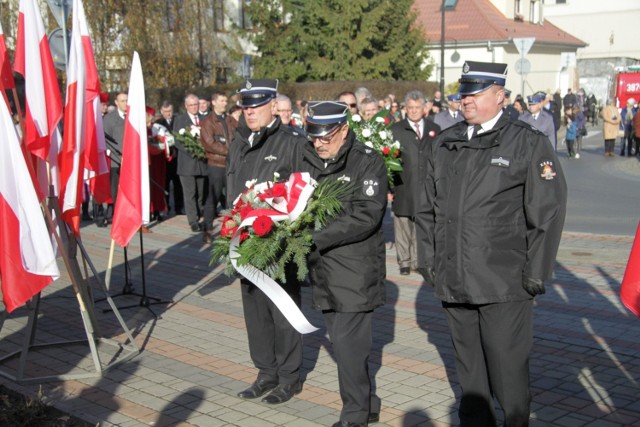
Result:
{"points": [[182, 131], [383, 134], [356, 118], [251, 183], [195, 131], [368, 144], [366, 133], [396, 144], [380, 119]]}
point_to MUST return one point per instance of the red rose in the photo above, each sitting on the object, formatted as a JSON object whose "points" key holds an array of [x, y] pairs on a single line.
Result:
{"points": [[244, 235], [396, 153], [386, 151], [262, 225], [228, 228], [246, 210], [279, 190]]}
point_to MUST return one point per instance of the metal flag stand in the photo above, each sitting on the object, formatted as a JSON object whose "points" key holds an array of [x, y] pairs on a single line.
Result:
{"points": [[128, 289], [126, 350]]}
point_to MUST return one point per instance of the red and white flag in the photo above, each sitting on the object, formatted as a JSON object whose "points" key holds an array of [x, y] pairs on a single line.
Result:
{"points": [[6, 75], [71, 159], [132, 205], [43, 105], [630, 288], [27, 262], [95, 152]]}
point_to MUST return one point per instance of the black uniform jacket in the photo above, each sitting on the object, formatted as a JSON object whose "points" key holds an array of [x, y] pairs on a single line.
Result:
{"points": [[414, 164], [492, 212], [347, 265], [272, 151]]}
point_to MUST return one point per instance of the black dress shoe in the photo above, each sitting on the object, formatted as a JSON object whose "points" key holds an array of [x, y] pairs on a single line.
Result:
{"points": [[207, 238], [195, 227], [257, 389], [349, 424], [405, 271], [374, 417], [282, 393]]}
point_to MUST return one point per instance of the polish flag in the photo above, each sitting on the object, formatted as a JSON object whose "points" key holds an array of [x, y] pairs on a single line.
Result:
{"points": [[71, 158], [630, 288], [43, 105], [42, 95], [132, 205], [95, 153], [27, 262], [6, 75]]}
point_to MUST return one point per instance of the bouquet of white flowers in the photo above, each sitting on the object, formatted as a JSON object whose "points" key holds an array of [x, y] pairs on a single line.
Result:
{"points": [[377, 135], [190, 139]]}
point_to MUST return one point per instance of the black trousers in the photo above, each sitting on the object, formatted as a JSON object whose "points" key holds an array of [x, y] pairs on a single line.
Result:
{"points": [[609, 145], [492, 343], [193, 190], [217, 184], [351, 339], [172, 177], [274, 345]]}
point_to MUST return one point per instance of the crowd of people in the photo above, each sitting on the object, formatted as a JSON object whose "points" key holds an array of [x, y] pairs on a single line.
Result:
{"points": [[478, 211]]}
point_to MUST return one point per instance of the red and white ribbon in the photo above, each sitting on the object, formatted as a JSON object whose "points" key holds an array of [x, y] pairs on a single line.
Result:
{"points": [[300, 187]]}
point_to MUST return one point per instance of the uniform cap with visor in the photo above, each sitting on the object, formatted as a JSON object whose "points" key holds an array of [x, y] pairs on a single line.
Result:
{"points": [[454, 98], [480, 76], [537, 98], [325, 116], [257, 92]]}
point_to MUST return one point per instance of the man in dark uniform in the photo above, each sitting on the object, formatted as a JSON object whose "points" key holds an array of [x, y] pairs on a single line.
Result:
{"points": [[260, 149], [508, 107], [451, 115], [347, 263], [489, 228], [539, 118], [415, 135]]}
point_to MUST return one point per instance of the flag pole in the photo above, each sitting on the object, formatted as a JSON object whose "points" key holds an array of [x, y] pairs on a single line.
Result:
{"points": [[18, 109], [107, 278]]}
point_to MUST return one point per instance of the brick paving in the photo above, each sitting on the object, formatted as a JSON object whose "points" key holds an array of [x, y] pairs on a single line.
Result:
{"points": [[585, 367]]}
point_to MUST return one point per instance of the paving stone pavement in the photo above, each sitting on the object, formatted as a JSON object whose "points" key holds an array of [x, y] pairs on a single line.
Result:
{"points": [[585, 369]]}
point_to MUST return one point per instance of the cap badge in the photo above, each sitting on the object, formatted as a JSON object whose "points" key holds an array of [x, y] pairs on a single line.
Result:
{"points": [[248, 85], [310, 112], [465, 68]]}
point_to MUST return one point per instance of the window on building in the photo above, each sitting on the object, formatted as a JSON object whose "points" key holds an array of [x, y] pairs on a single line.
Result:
{"points": [[173, 15], [221, 75], [535, 12], [517, 6], [218, 15], [246, 18]]}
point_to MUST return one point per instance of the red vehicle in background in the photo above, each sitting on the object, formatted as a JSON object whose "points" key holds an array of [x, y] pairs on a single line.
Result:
{"points": [[626, 84]]}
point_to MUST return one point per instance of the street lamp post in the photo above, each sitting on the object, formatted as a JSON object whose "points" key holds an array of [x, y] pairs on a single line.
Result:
{"points": [[442, 47]]}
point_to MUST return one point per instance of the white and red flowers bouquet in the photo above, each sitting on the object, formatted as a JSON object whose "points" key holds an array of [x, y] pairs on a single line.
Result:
{"points": [[190, 139], [270, 224], [376, 134]]}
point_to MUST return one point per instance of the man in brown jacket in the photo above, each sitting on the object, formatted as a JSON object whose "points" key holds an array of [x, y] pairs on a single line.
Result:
{"points": [[216, 135], [610, 125]]}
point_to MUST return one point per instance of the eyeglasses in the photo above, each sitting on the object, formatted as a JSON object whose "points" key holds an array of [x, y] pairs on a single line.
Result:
{"points": [[285, 111], [326, 139], [354, 105]]}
